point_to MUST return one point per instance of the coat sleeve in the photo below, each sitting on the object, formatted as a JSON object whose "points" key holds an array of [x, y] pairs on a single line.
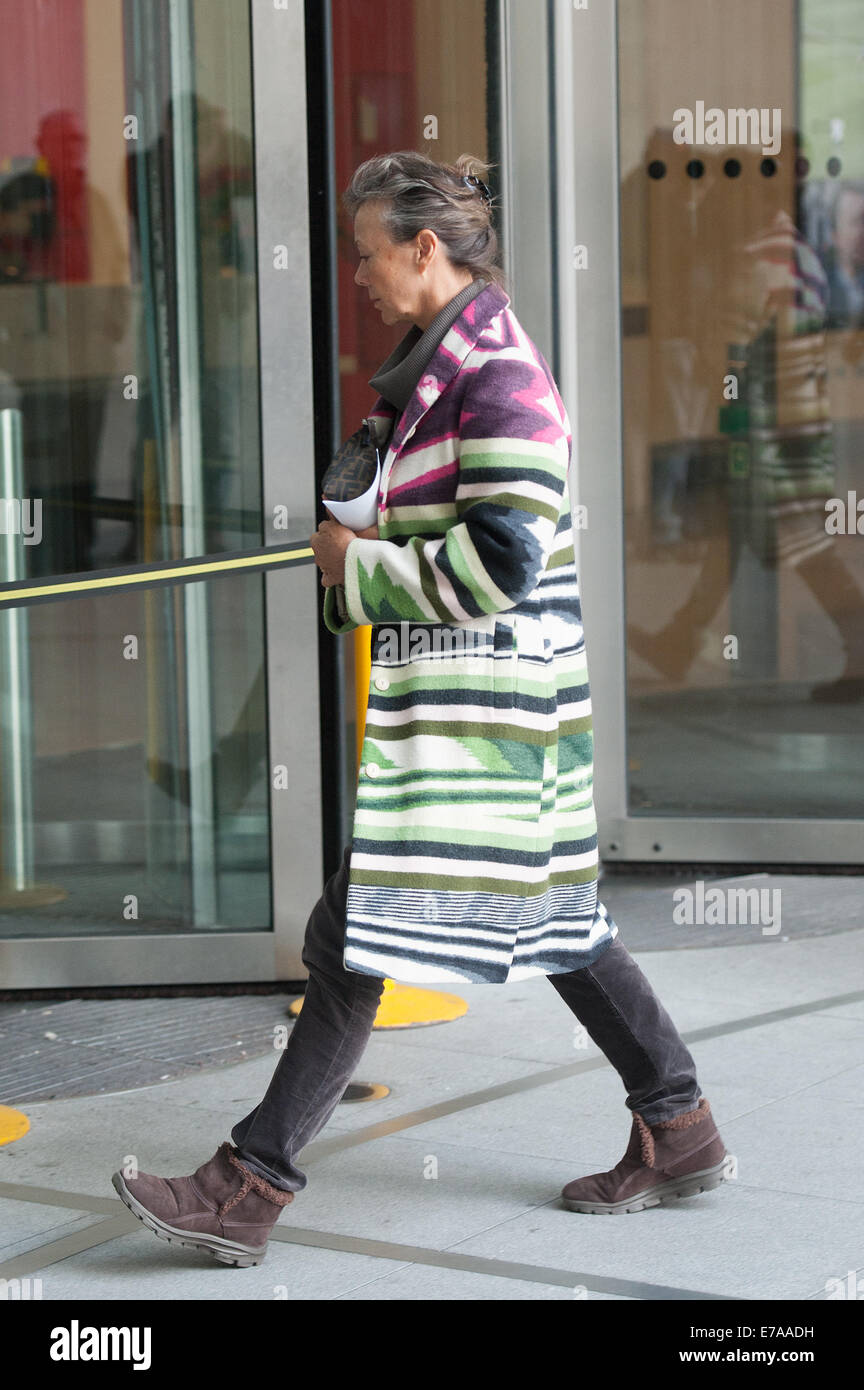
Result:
{"points": [[336, 615], [513, 457]]}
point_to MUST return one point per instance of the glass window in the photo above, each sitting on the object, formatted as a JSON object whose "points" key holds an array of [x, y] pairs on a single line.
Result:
{"points": [[133, 754], [742, 267]]}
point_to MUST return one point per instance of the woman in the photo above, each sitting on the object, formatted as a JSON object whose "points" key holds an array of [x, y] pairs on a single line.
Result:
{"points": [[474, 852]]}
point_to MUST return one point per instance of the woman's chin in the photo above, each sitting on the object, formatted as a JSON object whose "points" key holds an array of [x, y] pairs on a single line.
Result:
{"points": [[388, 315]]}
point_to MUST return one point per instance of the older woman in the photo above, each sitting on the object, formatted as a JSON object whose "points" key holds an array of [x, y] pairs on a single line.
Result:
{"points": [[474, 851]]}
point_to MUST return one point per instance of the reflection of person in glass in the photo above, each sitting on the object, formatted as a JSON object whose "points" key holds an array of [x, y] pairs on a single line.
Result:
{"points": [[227, 381], [26, 226], [844, 258], [772, 298], [62, 144], [224, 341], [58, 230], [474, 854], [44, 218]]}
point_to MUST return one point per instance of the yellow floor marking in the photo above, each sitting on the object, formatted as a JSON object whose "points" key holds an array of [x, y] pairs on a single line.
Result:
{"points": [[13, 1123]]}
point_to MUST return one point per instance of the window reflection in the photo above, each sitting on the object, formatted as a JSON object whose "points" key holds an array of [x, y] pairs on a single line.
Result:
{"points": [[743, 287], [134, 724]]}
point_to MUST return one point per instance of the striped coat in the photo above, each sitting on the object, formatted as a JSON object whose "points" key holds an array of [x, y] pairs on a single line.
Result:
{"points": [[474, 852]]}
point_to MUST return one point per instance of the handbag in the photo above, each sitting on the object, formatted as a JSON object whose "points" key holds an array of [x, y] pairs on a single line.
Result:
{"points": [[354, 467]]}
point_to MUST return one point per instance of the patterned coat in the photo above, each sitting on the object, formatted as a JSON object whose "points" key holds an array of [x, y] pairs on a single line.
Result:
{"points": [[474, 852]]}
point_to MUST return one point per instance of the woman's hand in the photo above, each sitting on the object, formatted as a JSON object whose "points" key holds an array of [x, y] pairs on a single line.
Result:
{"points": [[329, 544]]}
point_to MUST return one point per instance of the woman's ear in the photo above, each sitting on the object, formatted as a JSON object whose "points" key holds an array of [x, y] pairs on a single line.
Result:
{"points": [[426, 243]]}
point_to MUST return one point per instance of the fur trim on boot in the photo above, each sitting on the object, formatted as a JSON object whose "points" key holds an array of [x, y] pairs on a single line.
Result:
{"points": [[646, 1136], [251, 1180], [674, 1158], [223, 1207]]}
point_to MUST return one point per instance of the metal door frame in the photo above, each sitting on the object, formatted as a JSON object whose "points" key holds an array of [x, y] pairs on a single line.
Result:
{"points": [[585, 52], [291, 595], [288, 453], [524, 148]]}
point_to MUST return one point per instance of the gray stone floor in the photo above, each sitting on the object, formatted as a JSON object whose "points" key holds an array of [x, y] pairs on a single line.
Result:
{"points": [[79, 1047], [510, 1110]]}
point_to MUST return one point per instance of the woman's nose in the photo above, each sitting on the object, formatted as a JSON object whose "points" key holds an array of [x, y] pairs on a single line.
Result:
{"points": [[358, 278]]}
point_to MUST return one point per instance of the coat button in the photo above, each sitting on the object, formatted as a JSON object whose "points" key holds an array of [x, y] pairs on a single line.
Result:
{"points": [[382, 683], [372, 769]]}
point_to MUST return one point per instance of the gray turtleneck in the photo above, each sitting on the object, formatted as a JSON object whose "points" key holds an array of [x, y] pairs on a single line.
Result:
{"points": [[397, 378]]}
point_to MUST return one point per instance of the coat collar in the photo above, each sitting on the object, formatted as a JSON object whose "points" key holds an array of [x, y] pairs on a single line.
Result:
{"points": [[397, 379], [459, 340]]}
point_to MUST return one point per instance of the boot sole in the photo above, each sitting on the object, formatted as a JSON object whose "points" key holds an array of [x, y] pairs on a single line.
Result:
{"points": [[689, 1185], [227, 1252]]}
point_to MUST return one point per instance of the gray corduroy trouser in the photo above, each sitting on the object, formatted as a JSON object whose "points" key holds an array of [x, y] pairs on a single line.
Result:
{"points": [[611, 998]]}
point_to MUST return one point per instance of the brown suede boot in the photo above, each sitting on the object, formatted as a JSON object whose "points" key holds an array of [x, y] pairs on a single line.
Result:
{"points": [[223, 1207], [672, 1159]]}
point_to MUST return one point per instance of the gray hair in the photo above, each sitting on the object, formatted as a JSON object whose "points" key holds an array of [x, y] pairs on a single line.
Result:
{"points": [[417, 193]]}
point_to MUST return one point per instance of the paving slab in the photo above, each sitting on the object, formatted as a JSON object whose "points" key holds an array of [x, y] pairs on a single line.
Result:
{"points": [[138, 1265], [414, 1284], [25, 1226], [738, 1241]]}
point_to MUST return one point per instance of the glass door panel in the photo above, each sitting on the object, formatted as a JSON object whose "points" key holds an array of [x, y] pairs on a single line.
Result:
{"points": [[133, 761], [741, 140]]}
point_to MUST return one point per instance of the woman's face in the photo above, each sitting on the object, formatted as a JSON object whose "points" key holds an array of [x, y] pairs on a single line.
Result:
{"points": [[387, 270]]}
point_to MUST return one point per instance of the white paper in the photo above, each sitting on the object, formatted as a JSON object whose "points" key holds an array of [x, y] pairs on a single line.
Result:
{"points": [[361, 511]]}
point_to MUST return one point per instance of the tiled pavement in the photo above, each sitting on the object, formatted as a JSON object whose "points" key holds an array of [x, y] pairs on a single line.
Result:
{"points": [[509, 1110]]}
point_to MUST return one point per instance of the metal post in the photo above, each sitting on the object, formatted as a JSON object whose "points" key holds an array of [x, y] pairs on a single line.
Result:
{"points": [[17, 888], [16, 726], [195, 596]]}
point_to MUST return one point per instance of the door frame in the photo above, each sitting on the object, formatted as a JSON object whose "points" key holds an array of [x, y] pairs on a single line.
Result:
{"points": [[291, 595]]}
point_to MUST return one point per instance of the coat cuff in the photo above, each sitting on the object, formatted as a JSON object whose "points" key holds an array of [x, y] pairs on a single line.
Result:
{"points": [[343, 604], [336, 616]]}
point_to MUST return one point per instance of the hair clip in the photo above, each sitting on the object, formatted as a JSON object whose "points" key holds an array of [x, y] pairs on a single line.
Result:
{"points": [[473, 182]]}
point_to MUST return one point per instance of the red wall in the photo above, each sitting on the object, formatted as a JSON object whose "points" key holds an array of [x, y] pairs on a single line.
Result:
{"points": [[43, 111], [373, 60]]}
